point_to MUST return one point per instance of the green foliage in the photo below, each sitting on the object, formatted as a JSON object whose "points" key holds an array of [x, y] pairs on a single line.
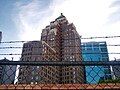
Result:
{"points": [[110, 81]]}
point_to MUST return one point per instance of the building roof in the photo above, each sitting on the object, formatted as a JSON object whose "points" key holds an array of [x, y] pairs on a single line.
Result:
{"points": [[61, 16], [94, 42]]}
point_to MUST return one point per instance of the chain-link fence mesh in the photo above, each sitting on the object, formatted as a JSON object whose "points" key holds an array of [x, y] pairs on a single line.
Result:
{"points": [[59, 75]]}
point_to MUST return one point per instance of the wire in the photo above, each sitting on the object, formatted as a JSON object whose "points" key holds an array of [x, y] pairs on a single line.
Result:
{"points": [[101, 37], [40, 47], [11, 47], [59, 63], [66, 39], [14, 41], [64, 46], [53, 54]]}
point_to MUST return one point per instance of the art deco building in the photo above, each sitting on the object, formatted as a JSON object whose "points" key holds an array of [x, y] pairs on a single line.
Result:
{"points": [[64, 39], [59, 42]]}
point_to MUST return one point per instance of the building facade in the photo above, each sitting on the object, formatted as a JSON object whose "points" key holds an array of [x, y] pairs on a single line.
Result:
{"points": [[38, 51], [116, 71], [64, 39], [96, 51], [7, 73], [59, 42]]}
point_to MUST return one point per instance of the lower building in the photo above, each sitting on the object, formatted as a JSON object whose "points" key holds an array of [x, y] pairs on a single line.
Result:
{"points": [[96, 51], [116, 70], [38, 51], [7, 73]]}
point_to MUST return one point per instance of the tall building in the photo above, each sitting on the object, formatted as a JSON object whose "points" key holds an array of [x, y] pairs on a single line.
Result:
{"points": [[0, 36], [116, 70], [64, 39], [59, 42], [96, 51], [7, 73]]}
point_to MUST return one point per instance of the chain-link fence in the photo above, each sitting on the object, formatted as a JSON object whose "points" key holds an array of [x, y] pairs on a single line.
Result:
{"points": [[59, 75]]}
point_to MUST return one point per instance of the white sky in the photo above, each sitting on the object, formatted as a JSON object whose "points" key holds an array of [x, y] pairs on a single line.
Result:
{"points": [[91, 18]]}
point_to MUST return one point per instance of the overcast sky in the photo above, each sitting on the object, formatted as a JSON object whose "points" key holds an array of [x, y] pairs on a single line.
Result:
{"points": [[25, 19]]}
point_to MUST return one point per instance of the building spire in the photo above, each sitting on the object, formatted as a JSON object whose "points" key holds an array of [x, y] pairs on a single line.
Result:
{"points": [[62, 14]]}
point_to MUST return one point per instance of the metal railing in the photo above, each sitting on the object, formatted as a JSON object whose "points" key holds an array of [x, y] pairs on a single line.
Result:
{"points": [[61, 63]]}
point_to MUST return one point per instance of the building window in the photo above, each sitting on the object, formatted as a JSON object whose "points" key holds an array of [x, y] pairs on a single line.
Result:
{"points": [[89, 48], [95, 45], [38, 67], [33, 72], [102, 44], [96, 49], [103, 50], [45, 51], [104, 55], [89, 45], [105, 59], [36, 77], [70, 57], [32, 78], [83, 48]]}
